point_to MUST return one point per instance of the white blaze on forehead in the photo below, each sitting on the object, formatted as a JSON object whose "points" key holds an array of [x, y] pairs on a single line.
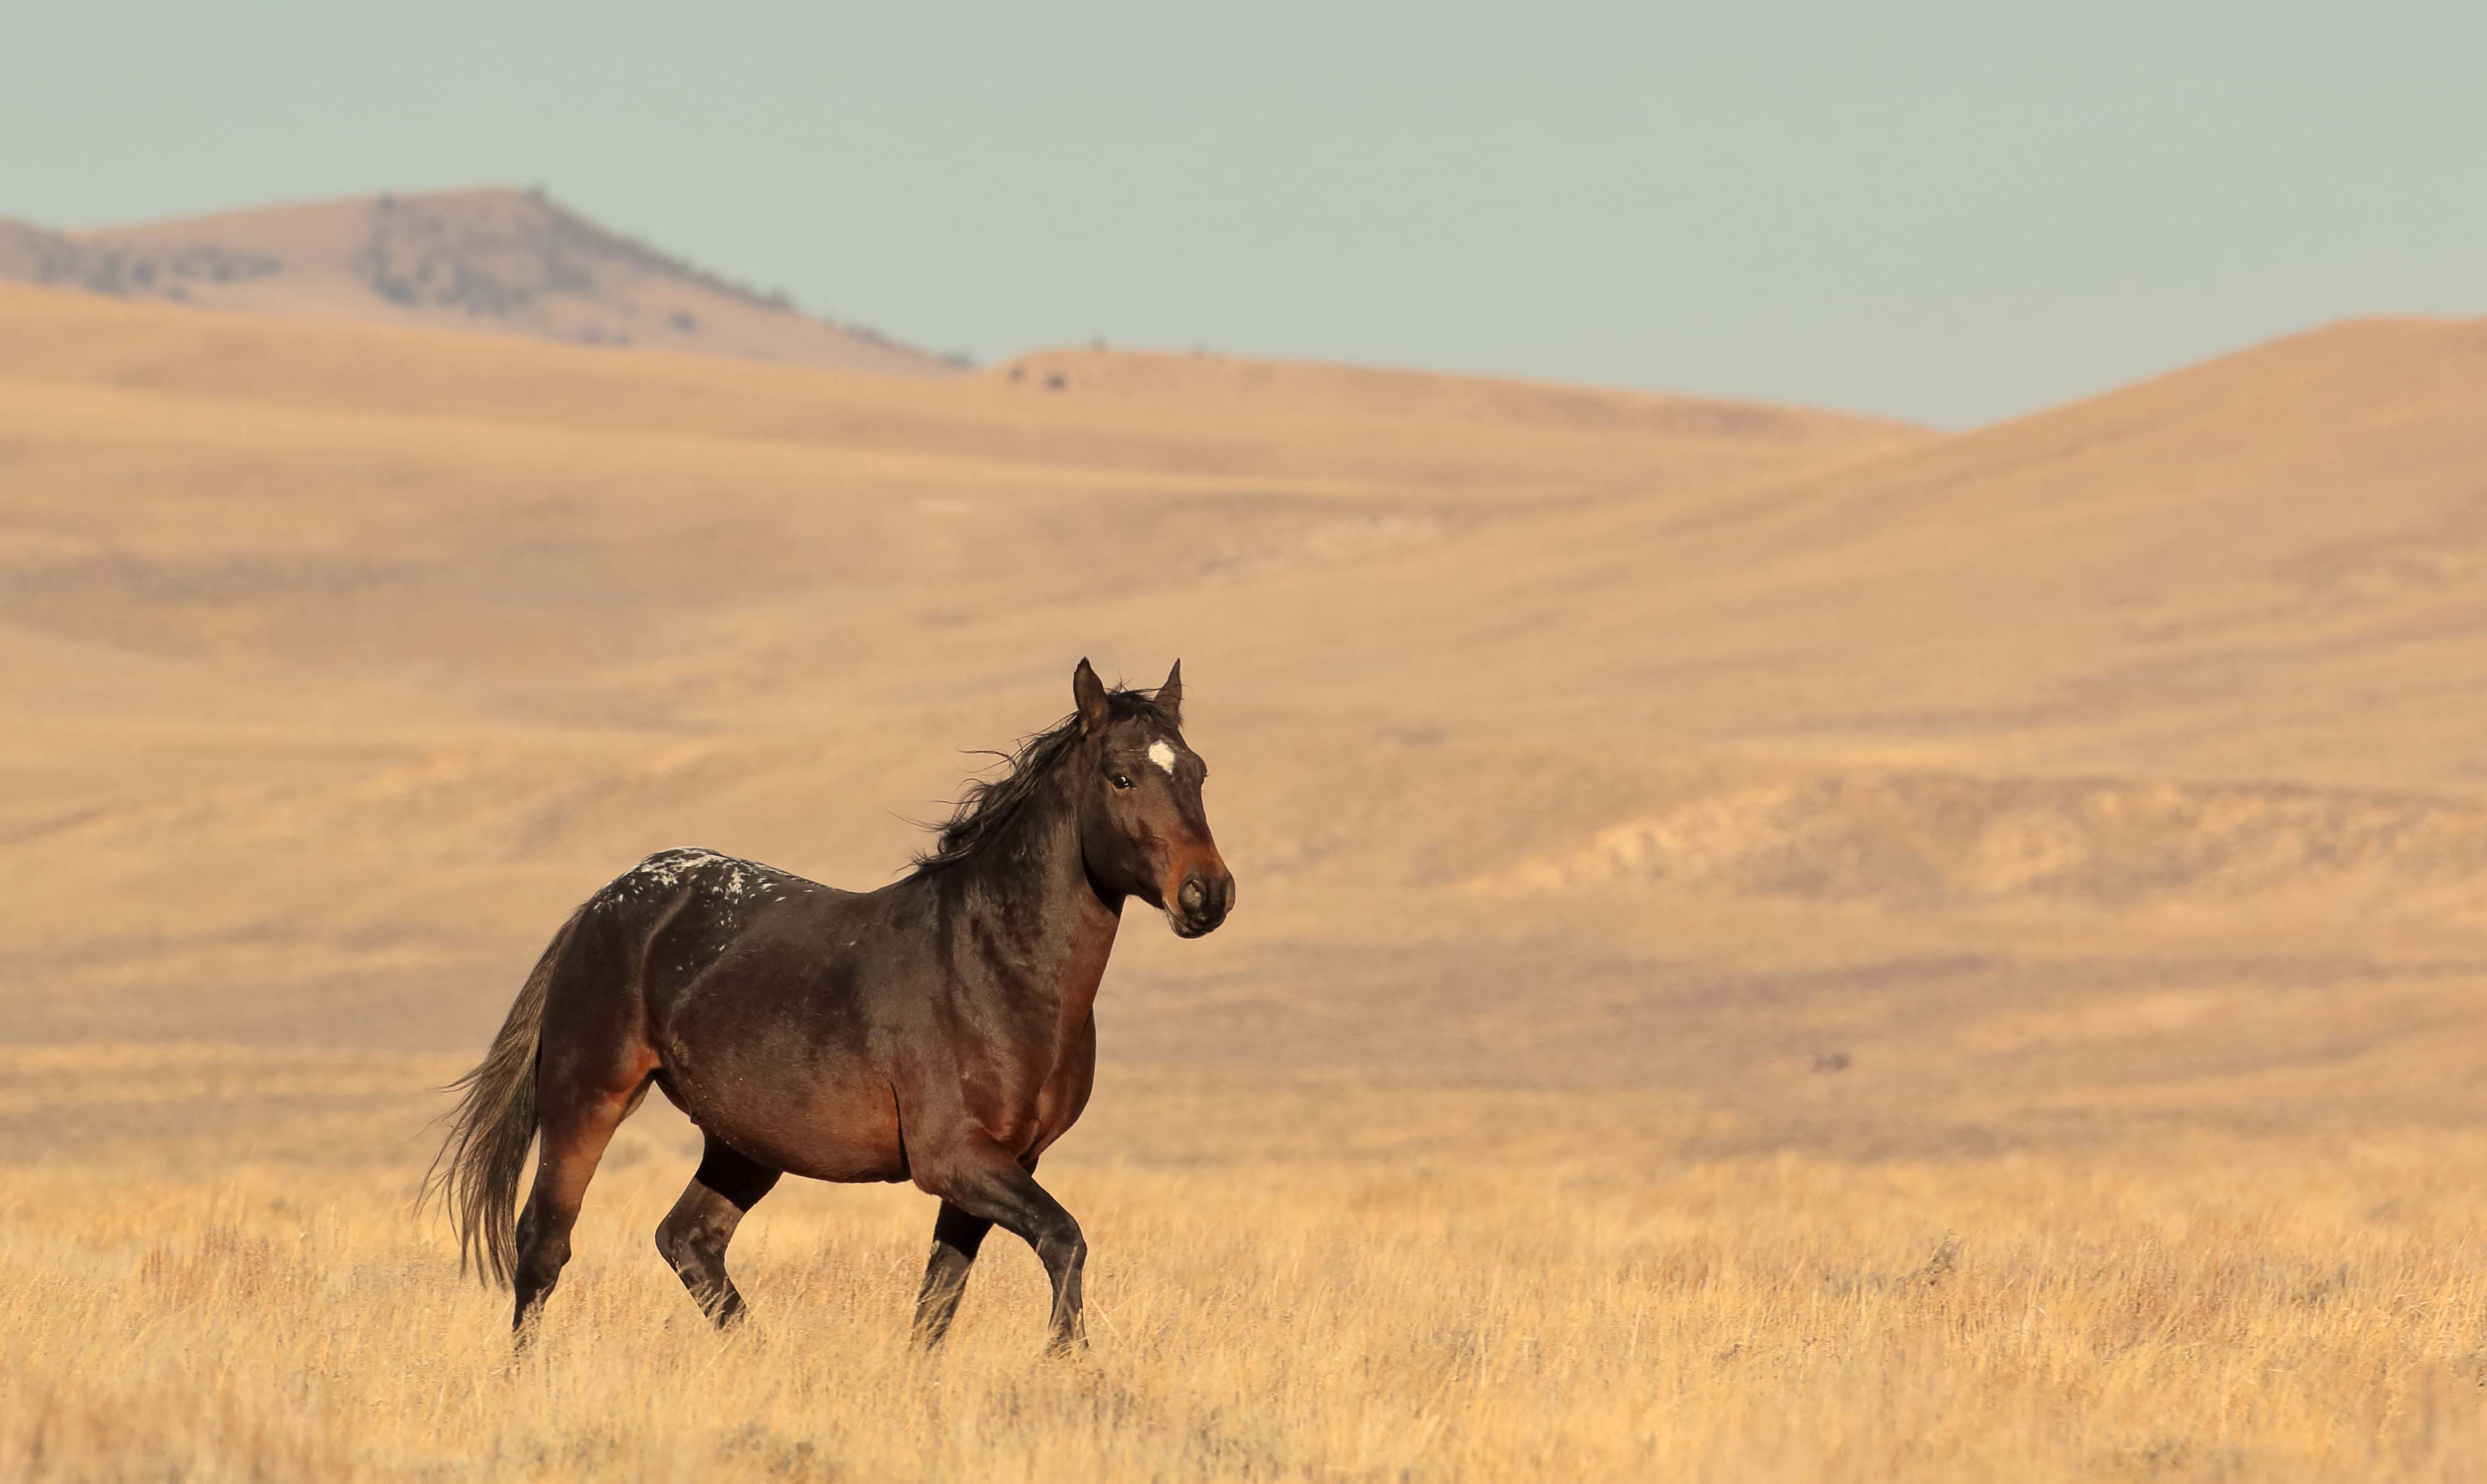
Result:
{"points": [[1163, 755]]}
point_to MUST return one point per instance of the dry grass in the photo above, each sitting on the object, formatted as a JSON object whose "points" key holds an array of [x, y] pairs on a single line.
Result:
{"points": [[1843, 806], [2210, 1309]]}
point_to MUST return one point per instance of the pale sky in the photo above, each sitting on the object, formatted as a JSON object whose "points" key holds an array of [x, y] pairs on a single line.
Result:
{"points": [[1945, 213]]}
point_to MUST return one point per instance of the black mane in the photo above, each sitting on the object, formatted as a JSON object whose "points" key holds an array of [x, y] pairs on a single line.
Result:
{"points": [[988, 805]]}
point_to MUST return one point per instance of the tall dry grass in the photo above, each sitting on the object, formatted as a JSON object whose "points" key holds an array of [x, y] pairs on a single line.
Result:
{"points": [[2202, 1308]]}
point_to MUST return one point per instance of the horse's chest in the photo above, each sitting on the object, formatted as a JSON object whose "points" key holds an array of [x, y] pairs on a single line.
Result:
{"points": [[1028, 1080], [1065, 1093], [1025, 1043]]}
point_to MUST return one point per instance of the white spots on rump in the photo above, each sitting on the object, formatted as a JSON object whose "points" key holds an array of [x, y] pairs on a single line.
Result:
{"points": [[1162, 754], [668, 868], [729, 881]]}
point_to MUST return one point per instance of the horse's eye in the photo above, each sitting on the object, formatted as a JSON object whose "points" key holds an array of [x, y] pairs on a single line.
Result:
{"points": [[1121, 780]]}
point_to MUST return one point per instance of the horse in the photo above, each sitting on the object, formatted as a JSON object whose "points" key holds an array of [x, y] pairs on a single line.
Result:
{"points": [[940, 1030]]}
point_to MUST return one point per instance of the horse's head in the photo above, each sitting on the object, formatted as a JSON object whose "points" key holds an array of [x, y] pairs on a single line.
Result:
{"points": [[1142, 826]]}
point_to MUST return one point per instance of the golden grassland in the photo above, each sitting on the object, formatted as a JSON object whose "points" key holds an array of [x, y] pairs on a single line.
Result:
{"points": [[1975, 940], [1342, 1285]]}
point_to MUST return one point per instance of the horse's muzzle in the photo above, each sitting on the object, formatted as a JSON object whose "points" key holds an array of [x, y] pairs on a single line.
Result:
{"points": [[1203, 903]]}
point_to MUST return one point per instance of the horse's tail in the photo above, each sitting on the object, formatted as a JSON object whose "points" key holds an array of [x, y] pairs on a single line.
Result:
{"points": [[477, 1173]]}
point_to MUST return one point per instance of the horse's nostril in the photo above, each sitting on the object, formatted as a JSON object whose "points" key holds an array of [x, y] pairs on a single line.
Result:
{"points": [[1195, 894]]}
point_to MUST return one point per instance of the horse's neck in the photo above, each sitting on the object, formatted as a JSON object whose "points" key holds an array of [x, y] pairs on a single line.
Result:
{"points": [[1030, 893]]}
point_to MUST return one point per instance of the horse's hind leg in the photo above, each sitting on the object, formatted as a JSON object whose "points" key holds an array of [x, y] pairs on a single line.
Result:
{"points": [[575, 1122], [693, 1235]]}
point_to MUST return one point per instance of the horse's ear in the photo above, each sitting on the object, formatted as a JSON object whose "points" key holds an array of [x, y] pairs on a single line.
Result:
{"points": [[1090, 693], [1170, 695]]}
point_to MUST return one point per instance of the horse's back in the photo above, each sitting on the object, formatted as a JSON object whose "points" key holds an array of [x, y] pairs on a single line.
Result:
{"points": [[726, 880], [754, 993], [696, 925]]}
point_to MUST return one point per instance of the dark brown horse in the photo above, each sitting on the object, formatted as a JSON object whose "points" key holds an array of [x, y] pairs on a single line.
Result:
{"points": [[937, 1031]]}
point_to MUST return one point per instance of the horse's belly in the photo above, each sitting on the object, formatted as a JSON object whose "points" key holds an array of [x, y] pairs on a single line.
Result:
{"points": [[826, 1130]]}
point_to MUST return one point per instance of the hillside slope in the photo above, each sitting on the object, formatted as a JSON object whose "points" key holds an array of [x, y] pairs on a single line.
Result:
{"points": [[2271, 566], [1560, 735]]}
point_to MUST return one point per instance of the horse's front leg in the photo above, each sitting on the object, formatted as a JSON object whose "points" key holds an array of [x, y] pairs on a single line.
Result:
{"points": [[986, 1183], [955, 1237]]}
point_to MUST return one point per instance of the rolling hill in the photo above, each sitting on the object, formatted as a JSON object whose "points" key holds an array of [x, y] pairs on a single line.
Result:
{"points": [[2116, 754]]}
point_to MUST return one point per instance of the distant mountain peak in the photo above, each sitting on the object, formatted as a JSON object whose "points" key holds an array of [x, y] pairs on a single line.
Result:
{"points": [[494, 257], [491, 251]]}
